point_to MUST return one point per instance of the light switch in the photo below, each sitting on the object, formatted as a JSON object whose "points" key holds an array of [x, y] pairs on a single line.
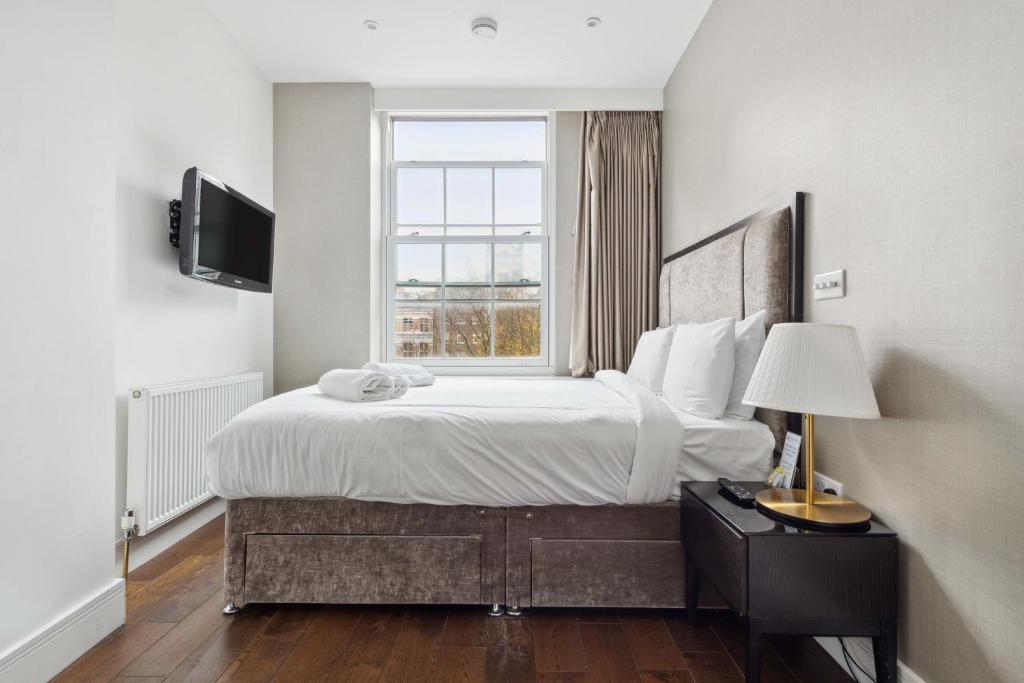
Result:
{"points": [[830, 285]]}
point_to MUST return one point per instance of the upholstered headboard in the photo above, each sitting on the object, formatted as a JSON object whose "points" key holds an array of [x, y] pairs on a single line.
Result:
{"points": [[755, 263]]}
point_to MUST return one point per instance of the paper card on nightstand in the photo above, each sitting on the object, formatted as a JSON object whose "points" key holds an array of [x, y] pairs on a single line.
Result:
{"points": [[782, 476]]}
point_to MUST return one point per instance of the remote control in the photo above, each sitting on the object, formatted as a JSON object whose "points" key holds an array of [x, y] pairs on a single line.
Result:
{"points": [[736, 493]]}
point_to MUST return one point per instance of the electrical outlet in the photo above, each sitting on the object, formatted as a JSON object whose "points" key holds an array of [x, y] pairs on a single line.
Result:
{"points": [[821, 482]]}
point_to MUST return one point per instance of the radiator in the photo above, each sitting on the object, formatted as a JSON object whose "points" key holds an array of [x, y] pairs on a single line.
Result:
{"points": [[168, 426]]}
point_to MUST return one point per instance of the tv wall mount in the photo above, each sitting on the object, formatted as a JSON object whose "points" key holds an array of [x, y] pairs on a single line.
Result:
{"points": [[174, 212]]}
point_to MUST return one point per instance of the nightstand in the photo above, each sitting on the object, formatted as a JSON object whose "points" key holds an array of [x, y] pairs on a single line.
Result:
{"points": [[780, 579]]}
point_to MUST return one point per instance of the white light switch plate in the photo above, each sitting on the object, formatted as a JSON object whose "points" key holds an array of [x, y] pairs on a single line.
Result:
{"points": [[830, 285]]}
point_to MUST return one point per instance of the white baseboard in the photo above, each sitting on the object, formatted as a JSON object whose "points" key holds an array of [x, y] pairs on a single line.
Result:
{"points": [[45, 654], [860, 650]]}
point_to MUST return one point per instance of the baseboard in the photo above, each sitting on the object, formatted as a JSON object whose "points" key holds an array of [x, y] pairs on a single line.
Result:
{"points": [[48, 652], [860, 650]]}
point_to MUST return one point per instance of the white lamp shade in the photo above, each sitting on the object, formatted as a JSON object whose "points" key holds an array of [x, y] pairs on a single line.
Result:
{"points": [[813, 368]]}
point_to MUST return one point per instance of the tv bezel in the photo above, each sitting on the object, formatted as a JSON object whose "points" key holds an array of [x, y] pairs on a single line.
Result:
{"points": [[191, 229]]}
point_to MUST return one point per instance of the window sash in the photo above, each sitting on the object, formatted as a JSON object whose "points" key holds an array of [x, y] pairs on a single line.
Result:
{"points": [[493, 225], [539, 234], [442, 302]]}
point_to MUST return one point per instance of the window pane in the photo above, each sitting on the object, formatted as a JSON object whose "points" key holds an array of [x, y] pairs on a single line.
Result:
{"points": [[468, 193], [417, 330], [467, 293], [419, 195], [467, 263], [517, 195], [420, 230], [517, 262], [468, 331], [469, 140], [517, 330], [417, 293], [517, 293], [418, 262]]}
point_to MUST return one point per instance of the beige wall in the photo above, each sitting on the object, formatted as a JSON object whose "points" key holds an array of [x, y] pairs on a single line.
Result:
{"points": [[567, 172], [327, 244], [905, 123], [322, 273]]}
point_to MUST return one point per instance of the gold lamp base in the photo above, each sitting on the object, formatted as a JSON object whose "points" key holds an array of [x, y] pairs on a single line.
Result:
{"points": [[826, 512], [811, 509]]}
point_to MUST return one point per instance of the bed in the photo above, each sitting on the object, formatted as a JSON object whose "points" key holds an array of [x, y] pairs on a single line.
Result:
{"points": [[547, 492]]}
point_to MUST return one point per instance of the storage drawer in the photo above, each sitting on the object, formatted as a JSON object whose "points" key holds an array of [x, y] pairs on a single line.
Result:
{"points": [[631, 573], [779, 571], [362, 569], [718, 551]]}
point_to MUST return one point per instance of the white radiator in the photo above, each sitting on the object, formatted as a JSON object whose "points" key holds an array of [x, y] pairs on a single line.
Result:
{"points": [[168, 426]]}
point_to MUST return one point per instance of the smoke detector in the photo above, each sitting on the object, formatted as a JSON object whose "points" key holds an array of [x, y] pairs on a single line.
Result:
{"points": [[485, 29], [371, 25], [593, 22]]}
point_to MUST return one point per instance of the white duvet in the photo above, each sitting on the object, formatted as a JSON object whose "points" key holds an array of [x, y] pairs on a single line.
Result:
{"points": [[466, 440]]}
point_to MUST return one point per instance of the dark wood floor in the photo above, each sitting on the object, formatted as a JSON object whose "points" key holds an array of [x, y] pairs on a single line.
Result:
{"points": [[175, 631]]}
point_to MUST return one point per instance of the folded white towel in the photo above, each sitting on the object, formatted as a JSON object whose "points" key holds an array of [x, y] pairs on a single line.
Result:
{"points": [[361, 385], [417, 375], [401, 386]]}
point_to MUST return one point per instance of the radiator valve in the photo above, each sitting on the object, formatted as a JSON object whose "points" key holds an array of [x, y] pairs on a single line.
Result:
{"points": [[128, 525], [128, 529]]}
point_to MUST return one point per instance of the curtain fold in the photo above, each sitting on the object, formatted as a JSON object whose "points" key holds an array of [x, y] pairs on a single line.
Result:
{"points": [[617, 239]]}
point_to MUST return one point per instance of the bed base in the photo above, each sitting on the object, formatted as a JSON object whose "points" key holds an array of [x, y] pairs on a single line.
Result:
{"points": [[330, 550]]}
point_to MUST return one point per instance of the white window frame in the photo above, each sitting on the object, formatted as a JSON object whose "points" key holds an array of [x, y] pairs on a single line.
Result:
{"points": [[544, 364]]}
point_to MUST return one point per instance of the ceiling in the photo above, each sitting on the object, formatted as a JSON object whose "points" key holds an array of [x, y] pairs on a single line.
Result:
{"points": [[428, 43]]}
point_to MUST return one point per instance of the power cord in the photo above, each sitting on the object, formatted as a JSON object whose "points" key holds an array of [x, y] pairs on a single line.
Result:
{"points": [[846, 659], [849, 658]]}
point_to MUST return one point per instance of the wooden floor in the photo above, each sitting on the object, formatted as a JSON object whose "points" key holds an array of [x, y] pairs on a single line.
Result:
{"points": [[175, 631]]}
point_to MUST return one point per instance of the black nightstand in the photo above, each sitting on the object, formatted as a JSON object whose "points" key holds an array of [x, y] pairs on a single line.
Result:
{"points": [[780, 579]]}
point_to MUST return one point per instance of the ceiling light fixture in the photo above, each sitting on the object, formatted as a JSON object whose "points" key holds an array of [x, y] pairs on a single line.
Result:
{"points": [[593, 22], [485, 28], [371, 25]]}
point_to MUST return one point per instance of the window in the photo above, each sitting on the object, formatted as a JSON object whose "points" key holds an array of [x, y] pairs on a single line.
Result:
{"points": [[467, 243]]}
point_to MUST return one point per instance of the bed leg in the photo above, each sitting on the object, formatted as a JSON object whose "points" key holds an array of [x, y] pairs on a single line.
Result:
{"points": [[514, 611], [496, 610], [232, 608]]}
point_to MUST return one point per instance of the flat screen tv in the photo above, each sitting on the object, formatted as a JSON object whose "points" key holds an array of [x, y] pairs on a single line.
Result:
{"points": [[226, 238]]}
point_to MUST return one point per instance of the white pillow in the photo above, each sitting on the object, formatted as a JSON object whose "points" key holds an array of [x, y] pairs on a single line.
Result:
{"points": [[698, 375], [749, 342], [650, 358]]}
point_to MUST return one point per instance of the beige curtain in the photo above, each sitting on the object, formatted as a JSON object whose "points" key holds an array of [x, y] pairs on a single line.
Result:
{"points": [[617, 239]]}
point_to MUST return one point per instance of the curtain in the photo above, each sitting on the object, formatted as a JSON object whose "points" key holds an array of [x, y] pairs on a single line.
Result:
{"points": [[617, 239]]}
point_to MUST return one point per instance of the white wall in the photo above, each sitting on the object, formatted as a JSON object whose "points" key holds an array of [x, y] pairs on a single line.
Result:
{"points": [[905, 123], [322, 165], [57, 313], [520, 99], [186, 96]]}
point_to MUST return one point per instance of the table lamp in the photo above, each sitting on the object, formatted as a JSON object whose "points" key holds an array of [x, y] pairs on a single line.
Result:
{"points": [[814, 369]]}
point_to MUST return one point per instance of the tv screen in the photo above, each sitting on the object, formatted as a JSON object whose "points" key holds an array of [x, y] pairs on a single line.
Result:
{"points": [[226, 237]]}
